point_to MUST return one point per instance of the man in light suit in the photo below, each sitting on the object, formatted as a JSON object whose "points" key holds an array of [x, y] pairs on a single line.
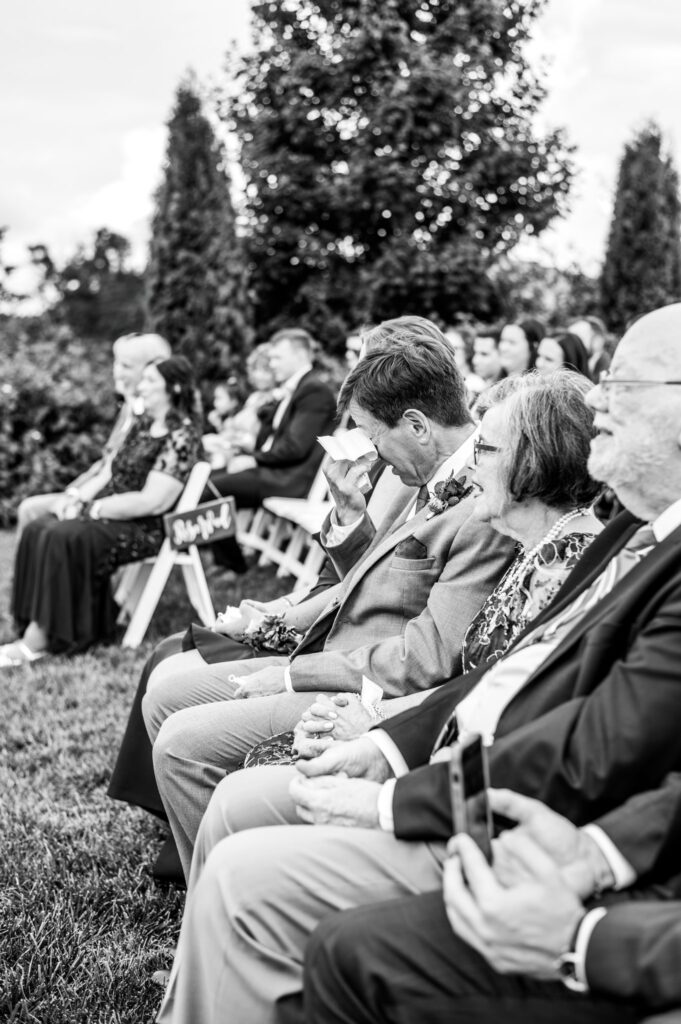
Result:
{"points": [[505, 937], [586, 710], [286, 455], [409, 589]]}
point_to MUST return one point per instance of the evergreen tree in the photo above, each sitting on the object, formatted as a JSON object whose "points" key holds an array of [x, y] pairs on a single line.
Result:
{"points": [[390, 156], [196, 279], [642, 268]]}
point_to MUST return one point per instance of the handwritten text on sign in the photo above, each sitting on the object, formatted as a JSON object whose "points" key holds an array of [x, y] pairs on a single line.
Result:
{"points": [[203, 525]]}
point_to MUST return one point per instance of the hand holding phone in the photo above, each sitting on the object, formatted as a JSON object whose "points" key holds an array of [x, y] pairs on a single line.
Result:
{"points": [[469, 782]]}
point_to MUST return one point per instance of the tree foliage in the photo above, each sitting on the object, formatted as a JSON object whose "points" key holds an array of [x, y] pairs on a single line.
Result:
{"points": [[389, 154], [196, 279], [99, 295], [642, 268]]}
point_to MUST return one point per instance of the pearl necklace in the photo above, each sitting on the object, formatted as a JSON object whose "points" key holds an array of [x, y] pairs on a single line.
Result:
{"points": [[554, 532]]}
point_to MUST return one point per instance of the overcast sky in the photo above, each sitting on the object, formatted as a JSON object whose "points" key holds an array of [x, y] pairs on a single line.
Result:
{"points": [[86, 87]]}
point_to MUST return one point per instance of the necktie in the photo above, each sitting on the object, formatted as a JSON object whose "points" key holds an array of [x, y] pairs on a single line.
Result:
{"points": [[422, 498]]}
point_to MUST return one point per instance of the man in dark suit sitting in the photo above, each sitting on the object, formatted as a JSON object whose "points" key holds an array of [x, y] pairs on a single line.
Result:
{"points": [[286, 454], [504, 937], [582, 713]]}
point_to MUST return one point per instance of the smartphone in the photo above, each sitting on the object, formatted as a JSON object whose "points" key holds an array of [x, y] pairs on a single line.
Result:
{"points": [[469, 781]]}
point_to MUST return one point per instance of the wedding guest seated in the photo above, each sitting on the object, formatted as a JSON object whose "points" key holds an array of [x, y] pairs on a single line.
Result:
{"points": [[409, 587], [581, 713], [518, 344], [531, 483], [285, 456], [237, 431], [486, 359], [539, 936], [131, 353], [562, 351], [61, 598], [594, 335]]}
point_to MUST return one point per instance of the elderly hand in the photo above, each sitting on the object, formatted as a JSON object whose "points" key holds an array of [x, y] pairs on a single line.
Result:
{"points": [[342, 715], [344, 479], [360, 759], [582, 865], [518, 930], [336, 801], [261, 684]]}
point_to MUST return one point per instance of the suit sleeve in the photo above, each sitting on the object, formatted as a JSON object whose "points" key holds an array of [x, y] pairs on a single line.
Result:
{"points": [[589, 754], [311, 413], [635, 952], [428, 650], [347, 554], [646, 829]]}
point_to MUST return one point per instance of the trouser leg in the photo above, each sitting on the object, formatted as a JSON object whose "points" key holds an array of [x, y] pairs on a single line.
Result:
{"points": [[263, 891]]}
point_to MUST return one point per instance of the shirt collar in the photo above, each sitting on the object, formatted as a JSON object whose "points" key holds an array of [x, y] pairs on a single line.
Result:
{"points": [[667, 521], [456, 463], [294, 380]]}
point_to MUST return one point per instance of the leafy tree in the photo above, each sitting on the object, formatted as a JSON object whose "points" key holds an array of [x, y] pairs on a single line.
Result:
{"points": [[390, 155], [642, 268], [196, 280], [99, 296]]}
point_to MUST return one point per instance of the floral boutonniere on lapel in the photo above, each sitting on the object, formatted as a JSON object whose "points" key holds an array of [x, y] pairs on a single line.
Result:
{"points": [[448, 493]]}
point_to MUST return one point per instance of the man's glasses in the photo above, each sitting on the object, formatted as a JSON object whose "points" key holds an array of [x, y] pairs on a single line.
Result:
{"points": [[606, 380], [480, 446]]}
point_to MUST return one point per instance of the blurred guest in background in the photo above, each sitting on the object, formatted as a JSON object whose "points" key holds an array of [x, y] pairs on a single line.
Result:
{"points": [[486, 359], [61, 599], [593, 333], [463, 352], [353, 350], [131, 354], [518, 346], [285, 456], [562, 351]]}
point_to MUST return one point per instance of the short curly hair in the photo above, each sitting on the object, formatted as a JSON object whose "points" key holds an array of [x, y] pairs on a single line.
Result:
{"points": [[550, 428]]}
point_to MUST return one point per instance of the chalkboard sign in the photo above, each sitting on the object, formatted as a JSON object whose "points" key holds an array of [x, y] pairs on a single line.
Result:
{"points": [[204, 524]]}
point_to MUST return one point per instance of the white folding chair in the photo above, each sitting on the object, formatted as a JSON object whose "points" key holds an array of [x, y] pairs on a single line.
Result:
{"points": [[142, 584]]}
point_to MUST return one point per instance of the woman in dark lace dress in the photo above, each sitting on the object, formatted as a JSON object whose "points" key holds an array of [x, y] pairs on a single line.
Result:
{"points": [[61, 600]]}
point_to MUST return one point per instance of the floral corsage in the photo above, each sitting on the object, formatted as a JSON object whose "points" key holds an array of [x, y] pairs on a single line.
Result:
{"points": [[448, 493], [271, 634]]}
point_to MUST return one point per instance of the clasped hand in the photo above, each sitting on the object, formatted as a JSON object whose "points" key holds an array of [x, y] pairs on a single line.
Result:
{"points": [[329, 720], [341, 786]]}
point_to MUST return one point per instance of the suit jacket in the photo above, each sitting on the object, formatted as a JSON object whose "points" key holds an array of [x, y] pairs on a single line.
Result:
{"points": [[635, 952], [409, 591], [289, 466], [597, 722]]}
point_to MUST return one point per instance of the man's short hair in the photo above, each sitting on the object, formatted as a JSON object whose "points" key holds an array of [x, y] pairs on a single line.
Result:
{"points": [[414, 372], [401, 328], [297, 336], [549, 428]]}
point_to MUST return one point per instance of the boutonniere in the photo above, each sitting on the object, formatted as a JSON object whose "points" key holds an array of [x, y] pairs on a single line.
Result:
{"points": [[448, 493]]}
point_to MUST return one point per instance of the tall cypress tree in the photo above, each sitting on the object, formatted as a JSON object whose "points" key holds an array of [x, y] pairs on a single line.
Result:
{"points": [[196, 278], [642, 268], [390, 155]]}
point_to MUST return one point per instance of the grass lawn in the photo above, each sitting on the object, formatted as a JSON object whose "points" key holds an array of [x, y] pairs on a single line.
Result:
{"points": [[82, 924]]}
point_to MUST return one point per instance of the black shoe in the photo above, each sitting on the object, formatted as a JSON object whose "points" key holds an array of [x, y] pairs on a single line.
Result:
{"points": [[167, 866]]}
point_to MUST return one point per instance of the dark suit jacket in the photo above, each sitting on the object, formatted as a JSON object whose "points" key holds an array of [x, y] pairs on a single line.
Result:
{"points": [[596, 723], [635, 952], [289, 467]]}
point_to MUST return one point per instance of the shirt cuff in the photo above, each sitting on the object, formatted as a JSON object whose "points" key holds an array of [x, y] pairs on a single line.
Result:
{"points": [[390, 752], [622, 871], [586, 927], [385, 806], [288, 685], [337, 533]]}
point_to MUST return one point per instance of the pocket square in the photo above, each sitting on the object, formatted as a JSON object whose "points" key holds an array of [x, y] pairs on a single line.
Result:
{"points": [[411, 548]]}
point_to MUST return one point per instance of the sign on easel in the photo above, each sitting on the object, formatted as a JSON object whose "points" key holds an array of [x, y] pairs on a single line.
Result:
{"points": [[204, 524]]}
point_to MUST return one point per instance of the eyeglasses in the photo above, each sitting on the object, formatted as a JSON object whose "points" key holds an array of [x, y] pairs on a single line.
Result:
{"points": [[606, 380], [480, 446]]}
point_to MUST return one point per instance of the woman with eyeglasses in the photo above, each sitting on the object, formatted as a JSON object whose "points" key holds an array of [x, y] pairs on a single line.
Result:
{"points": [[531, 483]]}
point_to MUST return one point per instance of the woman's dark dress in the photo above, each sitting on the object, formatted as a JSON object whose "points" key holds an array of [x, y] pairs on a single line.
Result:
{"points": [[62, 568]]}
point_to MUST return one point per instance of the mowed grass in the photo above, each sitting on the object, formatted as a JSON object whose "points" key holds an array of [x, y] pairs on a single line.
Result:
{"points": [[82, 924]]}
